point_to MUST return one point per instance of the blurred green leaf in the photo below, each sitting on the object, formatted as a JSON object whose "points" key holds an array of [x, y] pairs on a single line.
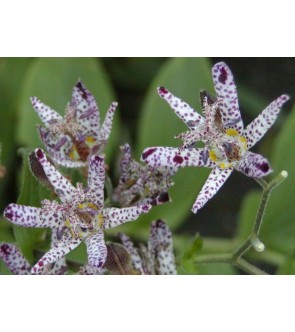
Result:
{"points": [[158, 124], [6, 231], [52, 81], [12, 74], [192, 249], [278, 228], [288, 267], [31, 194]]}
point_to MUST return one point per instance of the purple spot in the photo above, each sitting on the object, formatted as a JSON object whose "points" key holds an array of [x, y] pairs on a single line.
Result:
{"points": [[80, 86], [40, 263], [98, 159], [264, 167], [59, 144], [178, 159], [88, 113], [8, 215], [223, 75], [5, 249], [159, 223], [163, 91], [148, 152], [40, 154], [145, 207]]}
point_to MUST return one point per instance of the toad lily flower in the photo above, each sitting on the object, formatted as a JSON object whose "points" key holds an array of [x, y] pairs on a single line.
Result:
{"points": [[141, 183], [222, 131], [79, 217], [158, 256], [72, 139]]}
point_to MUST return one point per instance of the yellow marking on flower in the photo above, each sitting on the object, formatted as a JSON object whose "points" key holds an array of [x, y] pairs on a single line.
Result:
{"points": [[73, 154], [231, 132], [224, 165], [67, 223], [212, 155], [81, 235], [244, 141], [85, 205], [92, 206], [90, 141], [100, 220]]}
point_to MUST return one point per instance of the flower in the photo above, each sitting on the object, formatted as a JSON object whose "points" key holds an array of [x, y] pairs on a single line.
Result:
{"points": [[72, 139], [79, 217], [222, 131], [158, 256], [141, 183]]}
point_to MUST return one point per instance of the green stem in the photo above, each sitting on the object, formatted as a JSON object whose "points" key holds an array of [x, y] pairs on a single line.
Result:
{"points": [[247, 267]]}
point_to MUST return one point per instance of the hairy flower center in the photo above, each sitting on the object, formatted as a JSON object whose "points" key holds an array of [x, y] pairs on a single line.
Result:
{"points": [[229, 149]]}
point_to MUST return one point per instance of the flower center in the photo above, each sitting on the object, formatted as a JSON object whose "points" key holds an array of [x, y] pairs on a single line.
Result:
{"points": [[229, 150]]}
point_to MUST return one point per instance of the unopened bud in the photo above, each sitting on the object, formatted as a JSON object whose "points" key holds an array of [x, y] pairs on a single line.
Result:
{"points": [[258, 245]]}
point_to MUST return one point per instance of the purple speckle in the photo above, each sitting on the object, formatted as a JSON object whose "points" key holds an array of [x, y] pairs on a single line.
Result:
{"points": [[8, 215], [5, 249], [163, 91], [98, 159], [147, 153], [264, 167], [40, 154], [178, 159], [223, 75]]}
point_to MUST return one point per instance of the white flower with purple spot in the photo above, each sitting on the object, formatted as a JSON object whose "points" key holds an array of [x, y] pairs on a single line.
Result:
{"points": [[222, 131], [80, 216], [71, 139], [158, 256], [141, 183]]}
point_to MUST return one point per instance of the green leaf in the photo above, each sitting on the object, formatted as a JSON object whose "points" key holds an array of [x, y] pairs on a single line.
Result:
{"points": [[52, 81], [158, 124], [31, 194], [12, 73], [192, 248], [6, 231]]}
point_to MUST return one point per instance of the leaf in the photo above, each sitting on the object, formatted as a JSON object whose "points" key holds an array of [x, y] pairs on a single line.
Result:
{"points": [[12, 73], [6, 231], [192, 248], [52, 81], [158, 124], [31, 194]]}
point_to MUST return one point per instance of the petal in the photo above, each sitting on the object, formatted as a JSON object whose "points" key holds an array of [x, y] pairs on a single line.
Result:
{"points": [[214, 182], [62, 186], [28, 216], [135, 257], [91, 270], [187, 114], [107, 124], [115, 216], [173, 157], [46, 114], [254, 165], [227, 92], [60, 266], [258, 127], [87, 112], [161, 248], [63, 247], [96, 178], [14, 259], [60, 147], [96, 249]]}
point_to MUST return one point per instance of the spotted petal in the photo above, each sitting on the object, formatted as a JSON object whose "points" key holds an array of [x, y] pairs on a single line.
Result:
{"points": [[214, 182], [107, 124], [87, 112], [135, 257], [161, 247], [115, 216], [46, 114], [227, 93], [59, 147], [96, 249], [63, 188], [63, 247], [254, 165], [14, 259], [173, 157], [96, 178], [187, 114], [28, 216], [258, 127]]}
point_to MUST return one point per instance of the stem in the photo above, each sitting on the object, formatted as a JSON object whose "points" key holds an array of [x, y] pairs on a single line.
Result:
{"points": [[247, 267], [211, 258]]}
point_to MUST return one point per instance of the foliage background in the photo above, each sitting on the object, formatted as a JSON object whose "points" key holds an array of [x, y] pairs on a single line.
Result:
{"points": [[143, 119]]}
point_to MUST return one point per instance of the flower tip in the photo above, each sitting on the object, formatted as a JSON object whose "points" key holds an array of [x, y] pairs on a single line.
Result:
{"points": [[5, 249], [162, 91], [146, 208], [39, 153], [258, 245]]}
